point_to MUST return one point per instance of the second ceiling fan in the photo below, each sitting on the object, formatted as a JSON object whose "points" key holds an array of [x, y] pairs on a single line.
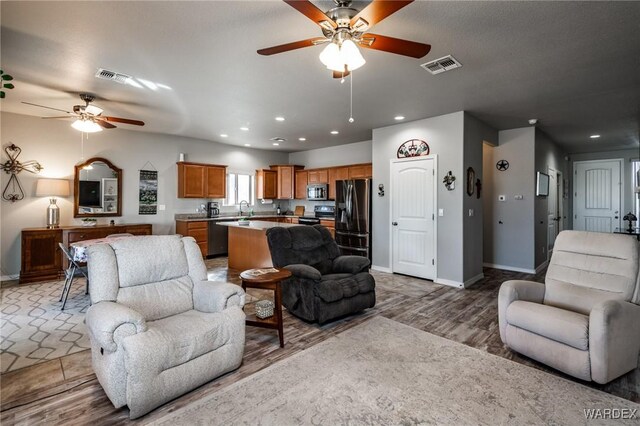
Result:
{"points": [[344, 28]]}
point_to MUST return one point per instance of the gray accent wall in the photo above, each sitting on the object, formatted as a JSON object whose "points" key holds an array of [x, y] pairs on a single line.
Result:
{"points": [[57, 147], [547, 154], [475, 133], [341, 155], [509, 225], [445, 136]]}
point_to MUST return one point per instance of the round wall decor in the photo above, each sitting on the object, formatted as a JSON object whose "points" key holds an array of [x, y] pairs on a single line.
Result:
{"points": [[502, 165], [413, 148]]}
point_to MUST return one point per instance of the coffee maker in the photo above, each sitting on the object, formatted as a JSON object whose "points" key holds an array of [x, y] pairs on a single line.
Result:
{"points": [[212, 209]]}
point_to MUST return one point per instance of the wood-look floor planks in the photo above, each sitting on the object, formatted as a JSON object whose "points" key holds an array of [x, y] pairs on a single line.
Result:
{"points": [[466, 316]]}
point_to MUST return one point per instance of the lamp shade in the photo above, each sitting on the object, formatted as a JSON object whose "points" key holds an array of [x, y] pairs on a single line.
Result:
{"points": [[86, 126], [52, 188]]}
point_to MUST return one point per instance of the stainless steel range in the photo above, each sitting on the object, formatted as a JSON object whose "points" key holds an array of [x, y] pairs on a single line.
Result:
{"points": [[319, 212]]}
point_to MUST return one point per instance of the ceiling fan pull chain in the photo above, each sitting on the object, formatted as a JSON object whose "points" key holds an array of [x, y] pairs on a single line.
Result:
{"points": [[351, 120]]}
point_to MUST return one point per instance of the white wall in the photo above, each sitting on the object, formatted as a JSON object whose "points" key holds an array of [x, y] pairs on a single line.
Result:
{"points": [[57, 147], [341, 155], [509, 226], [444, 134]]}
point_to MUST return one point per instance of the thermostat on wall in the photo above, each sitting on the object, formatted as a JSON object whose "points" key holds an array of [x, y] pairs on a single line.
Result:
{"points": [[502, 198]]}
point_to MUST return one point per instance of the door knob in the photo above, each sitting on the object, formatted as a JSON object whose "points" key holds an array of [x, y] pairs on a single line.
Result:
{"points": [[394, 223]]}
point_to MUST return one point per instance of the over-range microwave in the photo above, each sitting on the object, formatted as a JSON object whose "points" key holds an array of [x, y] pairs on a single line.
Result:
{"points": [[317, 192]]}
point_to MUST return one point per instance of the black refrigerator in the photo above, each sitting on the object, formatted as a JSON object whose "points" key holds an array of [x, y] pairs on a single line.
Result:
{"points": [[353, 217]]}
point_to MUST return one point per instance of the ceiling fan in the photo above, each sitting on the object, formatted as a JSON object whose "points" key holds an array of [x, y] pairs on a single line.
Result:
{"points": [[88, 117], [344, 27]]}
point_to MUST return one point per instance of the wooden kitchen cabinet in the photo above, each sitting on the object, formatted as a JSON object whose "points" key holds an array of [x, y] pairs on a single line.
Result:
{"points": [[330, 225], [318, 176], [301, 181], [198, 180], [216, 182], [335, 174], [199, 230], [41, 258], [266, 184], [286, 181], [360, 171]]}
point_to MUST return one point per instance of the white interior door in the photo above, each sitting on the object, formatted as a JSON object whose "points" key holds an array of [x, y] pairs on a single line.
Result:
{"points": [[552, 211], [596, 198], [560, 203], [413, 217]]}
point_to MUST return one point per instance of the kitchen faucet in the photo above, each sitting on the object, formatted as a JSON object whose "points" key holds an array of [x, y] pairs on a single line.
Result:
{"points": [[243, 201]]}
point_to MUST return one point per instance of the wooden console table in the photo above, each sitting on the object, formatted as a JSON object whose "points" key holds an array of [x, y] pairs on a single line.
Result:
{"points": [[41, 258]]}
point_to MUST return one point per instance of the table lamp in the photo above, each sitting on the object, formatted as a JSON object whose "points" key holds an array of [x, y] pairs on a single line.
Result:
{"points": [[52, 188]]}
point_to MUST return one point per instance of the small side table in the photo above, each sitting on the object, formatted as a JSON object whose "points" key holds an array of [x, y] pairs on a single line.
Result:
{"points": [[268, 281]]}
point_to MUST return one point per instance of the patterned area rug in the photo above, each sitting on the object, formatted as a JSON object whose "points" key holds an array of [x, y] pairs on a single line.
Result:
{"points": [[33, 329], [383, 372]]}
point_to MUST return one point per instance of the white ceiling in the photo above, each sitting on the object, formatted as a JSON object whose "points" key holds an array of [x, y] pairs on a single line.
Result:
{"points": [[574, 66]]}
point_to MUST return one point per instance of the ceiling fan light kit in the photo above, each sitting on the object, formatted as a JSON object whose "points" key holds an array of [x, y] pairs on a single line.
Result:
{"points": [[342, 55], [86, 126]]}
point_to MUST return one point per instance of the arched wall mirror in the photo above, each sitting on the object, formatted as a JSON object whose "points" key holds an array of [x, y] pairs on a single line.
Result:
{"points": [[97, 189]]}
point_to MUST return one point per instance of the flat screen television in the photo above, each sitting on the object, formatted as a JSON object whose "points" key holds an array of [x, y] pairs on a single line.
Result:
{"points": [[89, 193]]}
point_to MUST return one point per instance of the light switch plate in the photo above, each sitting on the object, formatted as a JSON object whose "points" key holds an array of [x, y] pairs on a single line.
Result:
{"points": [[161, 207], [502, 198], [518, 197], [440, 212], [471, 212]]}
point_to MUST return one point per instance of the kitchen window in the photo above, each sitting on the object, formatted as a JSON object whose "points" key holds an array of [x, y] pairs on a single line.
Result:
{"points": [[240, 187]]}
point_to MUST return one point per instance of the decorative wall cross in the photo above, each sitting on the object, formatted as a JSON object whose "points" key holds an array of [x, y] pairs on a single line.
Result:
{"points": [[12, 166]]}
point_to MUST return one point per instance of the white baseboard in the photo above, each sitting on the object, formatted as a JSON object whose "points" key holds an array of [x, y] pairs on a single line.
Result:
{"points": [[381, 269], [471, 281], [9, 277], [450, 283], [542, 266], [509, 268]]}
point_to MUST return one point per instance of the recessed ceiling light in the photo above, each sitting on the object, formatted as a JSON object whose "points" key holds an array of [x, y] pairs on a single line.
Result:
{"points": [[399, 117], [247, 144], [276, 144], [279, 118], [594, 136], [302, 139], [244, 128], [334, 132], [224, 135]]}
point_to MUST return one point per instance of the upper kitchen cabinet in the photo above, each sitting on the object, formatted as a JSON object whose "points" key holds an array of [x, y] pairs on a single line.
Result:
{"points": [[358, 171], [197, 180], [286, 180], [301, 181], [266, 184], [318, 176], [336, 173]]}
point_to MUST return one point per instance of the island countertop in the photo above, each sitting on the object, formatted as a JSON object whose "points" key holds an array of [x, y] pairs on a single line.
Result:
{"points": [[257, 225]]}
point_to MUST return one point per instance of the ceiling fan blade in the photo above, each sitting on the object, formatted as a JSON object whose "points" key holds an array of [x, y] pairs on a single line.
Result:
{"points": [[377, 10], [62, 117], [310, 11], [122, 120], [104, 124], [42, 106], [395, 45], [292, 46]]}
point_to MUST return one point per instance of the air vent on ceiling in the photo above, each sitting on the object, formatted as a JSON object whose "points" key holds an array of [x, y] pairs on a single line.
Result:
{"points": [[441, 65], [278, 139], [113, 76]]}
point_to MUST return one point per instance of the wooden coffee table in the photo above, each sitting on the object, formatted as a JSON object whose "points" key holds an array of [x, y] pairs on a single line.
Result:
{"points": [[268, 281]]}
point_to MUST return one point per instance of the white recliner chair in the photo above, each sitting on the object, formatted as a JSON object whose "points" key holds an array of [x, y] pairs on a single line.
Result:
{"points": [[585, 319], [158, 328]]}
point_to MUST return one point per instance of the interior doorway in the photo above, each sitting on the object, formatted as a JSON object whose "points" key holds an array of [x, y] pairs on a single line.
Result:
{"points": [[596, 197], [555, 209], [413, 225]]}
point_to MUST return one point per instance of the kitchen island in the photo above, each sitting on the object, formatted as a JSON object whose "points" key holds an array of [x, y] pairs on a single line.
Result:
{"points": [[248, 246]]}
